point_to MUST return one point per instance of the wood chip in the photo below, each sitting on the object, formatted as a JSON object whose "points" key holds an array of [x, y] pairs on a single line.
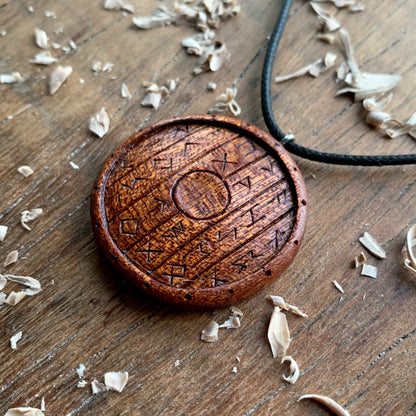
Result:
{"points": [[58, 77], [3, 232], [226, 103], [369, 271], [15, 297], [24, 411], [372, 246], [50, 14], [81, 384], [73, 165], [125, 93], [338, 286], [100, 123], [14, 340], [210, 333], [116, 380], [294, 369], [328, 22], [43, 58], [3, 281], [25, 170], [10, 78], [327, 402], [281, 303], [30, 215], [33, 285], [359, 260], [278, 333], [98, 387], [409, 250], [11, 258], [80, 370], [161, 17], [41, 38]]}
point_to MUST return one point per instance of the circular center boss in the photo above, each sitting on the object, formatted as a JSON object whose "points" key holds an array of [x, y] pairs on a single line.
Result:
{"points": [[200, 211]]}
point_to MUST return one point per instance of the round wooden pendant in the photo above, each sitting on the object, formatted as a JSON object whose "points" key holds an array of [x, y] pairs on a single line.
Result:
{"points": [[200, 211]]}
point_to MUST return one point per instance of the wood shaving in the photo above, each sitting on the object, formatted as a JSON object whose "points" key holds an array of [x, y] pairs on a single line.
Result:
{"points": [[25, 171], [30, 9], [81, 384], [15, 339], [294, 369], [73, 165], [116, 380], [155, 94], [118, 5], [3, 281], [382, 120], [212, 58], [278, 333], [327, 402], [226, 103], [98, 387], [11, 258], [409, 250], [369, 271], [282, 304], [3, 33], [100, 123], [72, 44], [30, 215], [409, 127], [210, 333], [3, 297], [363, 84], [42, 405], [338, 286], [377, 103], [10, 78], [161, 17], [50, 14], [328, 22], [80, 370], [3, 232], [33, 285], [58, 77], [24, 411], [15, 297], [152, 99], [43, 58], [41, 38], [372, 246], [125, 93], [211, 86], [314, 69], [359, 260], [234, 370], [232, 322]]}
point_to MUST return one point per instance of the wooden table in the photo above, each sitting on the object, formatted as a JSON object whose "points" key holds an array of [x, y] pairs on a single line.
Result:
{"points": [[358, 348]]}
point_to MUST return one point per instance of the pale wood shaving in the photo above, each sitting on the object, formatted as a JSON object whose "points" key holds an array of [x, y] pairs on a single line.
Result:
{"points": [[3, 232], [80, 370], [30, 215], [211, 86], [382, 120], [58, 77], [15, 339], [50, 14], [327, 402], [372, 246], [30, 9], [232, 322], [278, 333], [294, 369], [43, 58], [212, 58], [409, 127], [338, 286], [73, 165], [328, 22], [100, 123], [81, 384], [3, 281], [42, 405], [10, 78], [25, 171], [118, 5], [41, 38], [11, 258], [226, 103], [234, 370], [161, 17], [116, 380], [98, 387], [281, 303], [377, 103], [369, 271], [125, 93], [152, 99], [359, 260], [409, 250], [15, 297], [210, 333], [3, 297], [33, 285], [24, 411]]}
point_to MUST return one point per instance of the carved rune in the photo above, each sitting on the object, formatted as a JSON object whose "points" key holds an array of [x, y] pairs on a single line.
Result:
{"points": [[252, 216], [224, 162], [174, 231], [149, 251], [177, 271], [129, 226]]}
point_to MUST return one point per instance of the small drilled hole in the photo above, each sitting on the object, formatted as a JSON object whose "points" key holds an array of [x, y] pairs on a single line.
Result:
{"points": [[268, 273], [303, 202], [296, 242], [188, 296], [147, 285], [97, 224], [115, 259], [95, 188], [231, 291]]}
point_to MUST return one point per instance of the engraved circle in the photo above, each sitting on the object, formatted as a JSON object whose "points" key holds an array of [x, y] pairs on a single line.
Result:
{"points": [[201, 195]]}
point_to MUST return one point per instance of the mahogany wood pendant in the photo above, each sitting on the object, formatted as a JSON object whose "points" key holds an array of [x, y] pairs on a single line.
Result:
{"points": [[200, 211]]}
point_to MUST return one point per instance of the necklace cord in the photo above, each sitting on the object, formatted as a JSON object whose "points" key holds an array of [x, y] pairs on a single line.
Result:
{"points": [[290, 145]]}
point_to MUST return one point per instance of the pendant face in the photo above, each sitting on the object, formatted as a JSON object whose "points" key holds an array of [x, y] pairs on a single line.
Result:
{"points": [[200, 211]]}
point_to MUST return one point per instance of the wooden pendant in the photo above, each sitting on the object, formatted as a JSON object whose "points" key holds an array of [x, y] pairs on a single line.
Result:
{"points": [[200, 211]]}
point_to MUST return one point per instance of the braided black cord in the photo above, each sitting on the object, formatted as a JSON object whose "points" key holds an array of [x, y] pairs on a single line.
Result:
{"points": [[291, 146]]}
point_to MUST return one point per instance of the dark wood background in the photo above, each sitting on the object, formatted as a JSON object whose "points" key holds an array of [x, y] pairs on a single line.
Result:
{"points": [[359, 350]]}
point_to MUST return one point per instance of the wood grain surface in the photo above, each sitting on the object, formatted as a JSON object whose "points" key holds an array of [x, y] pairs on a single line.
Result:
{"points": [[358, 348]]}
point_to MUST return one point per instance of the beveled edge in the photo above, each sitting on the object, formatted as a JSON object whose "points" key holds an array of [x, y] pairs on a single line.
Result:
{"points": [[219, 296]]}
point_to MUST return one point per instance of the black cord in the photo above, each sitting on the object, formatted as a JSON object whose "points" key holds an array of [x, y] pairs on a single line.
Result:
{"points": [[290, 145]]}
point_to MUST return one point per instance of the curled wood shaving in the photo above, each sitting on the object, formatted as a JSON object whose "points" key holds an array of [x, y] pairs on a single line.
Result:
{"points": [[116, 380], [338, 286], [125, 93], [278, 333], [33, 285], [41, 38], [410, 256], [210, 333], [15, 339], [11, 258], [294, 369], [30, 215], [328, 22], [314, 69], [226, 103], [3, 232], [24, 411], [382, 120], [409, 127], [212, 58], [281, 303], [161, 17], [326, 401], [10, 78], [43, 58], [359, 260], [369, 271], [118, 5], [377, 103], [98, 387], [100, 123], [58, 77], [25, 171], [372, 246], [15, 297]]}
